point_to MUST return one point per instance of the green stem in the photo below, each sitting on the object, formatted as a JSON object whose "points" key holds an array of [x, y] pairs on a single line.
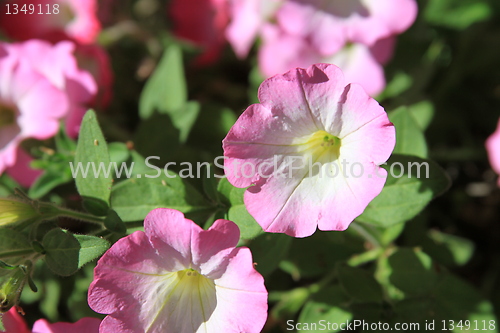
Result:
{"points": [[365, 234], [63, 212], [16, 253], [363, 258]]}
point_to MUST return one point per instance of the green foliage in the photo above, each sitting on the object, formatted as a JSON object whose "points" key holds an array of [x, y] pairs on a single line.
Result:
{"points": [[166, 93], [410, 139], [404, 197], [359, 284], [65, 253], [457, 14], [92, 148], [133, 199]]}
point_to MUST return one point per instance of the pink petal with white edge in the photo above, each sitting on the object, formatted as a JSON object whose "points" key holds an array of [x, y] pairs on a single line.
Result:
{"points": [[84, 325], [295, 107], [242, 297]]}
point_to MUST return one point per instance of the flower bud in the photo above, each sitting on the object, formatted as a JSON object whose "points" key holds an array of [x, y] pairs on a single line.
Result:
{"points": [[15, 211]]}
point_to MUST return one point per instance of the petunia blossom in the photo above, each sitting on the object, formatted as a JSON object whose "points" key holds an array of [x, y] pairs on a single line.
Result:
{"points": [[40, 85], [36, 18], [177, 277], [14, 323], [493, 149], [327, 25], [310, 152], [331, 24], [361, 64]]}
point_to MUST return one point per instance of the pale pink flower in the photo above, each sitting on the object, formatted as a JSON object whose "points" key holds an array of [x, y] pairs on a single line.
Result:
{"points": [[178, 278], [493, 149], [247, 19], [77, 18], [310, 152], [327, 25], [281, 51], [40, 85], [331, 24], [14, 323]]}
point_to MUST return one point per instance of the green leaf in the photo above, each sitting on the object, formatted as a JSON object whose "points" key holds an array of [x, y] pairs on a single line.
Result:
{"points": [[412, 272], [448, 249], [157, 136], [118, 152], [114, 223], [395, 87], [7, 185], [359, 284], [410, 139], [92, 148], [451, 301], [64, 143], [166, 89], [422, 112], [12, 240], [49, 180], [325, 307], [249, 228], [410, 186], [91, 248], [457, 14], [133, 199], [269, 250], [66, 253], [316, 255], [62, 251], [184, 118]]}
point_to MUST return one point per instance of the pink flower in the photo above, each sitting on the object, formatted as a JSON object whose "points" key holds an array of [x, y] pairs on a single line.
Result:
{"points": [[40, 85], [177, 277], [493, 149], [247, 19], [77, 18], [310, 152], [281, 51], [331, 24], [22, 172], [14, 323], [327, 25], [202, 22]]}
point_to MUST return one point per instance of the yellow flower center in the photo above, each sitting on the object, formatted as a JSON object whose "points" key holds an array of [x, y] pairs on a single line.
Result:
{"points": [[322, 145]]}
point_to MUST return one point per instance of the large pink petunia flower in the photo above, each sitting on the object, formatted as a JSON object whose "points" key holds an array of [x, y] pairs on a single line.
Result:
{"points": [[493, 149], [309, 152], [36, 18], [40, 85], [177, 277], [14, 323]]}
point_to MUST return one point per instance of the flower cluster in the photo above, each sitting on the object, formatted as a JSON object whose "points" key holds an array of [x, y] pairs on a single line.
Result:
{"points": [[357, 36], [41, 84]]}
